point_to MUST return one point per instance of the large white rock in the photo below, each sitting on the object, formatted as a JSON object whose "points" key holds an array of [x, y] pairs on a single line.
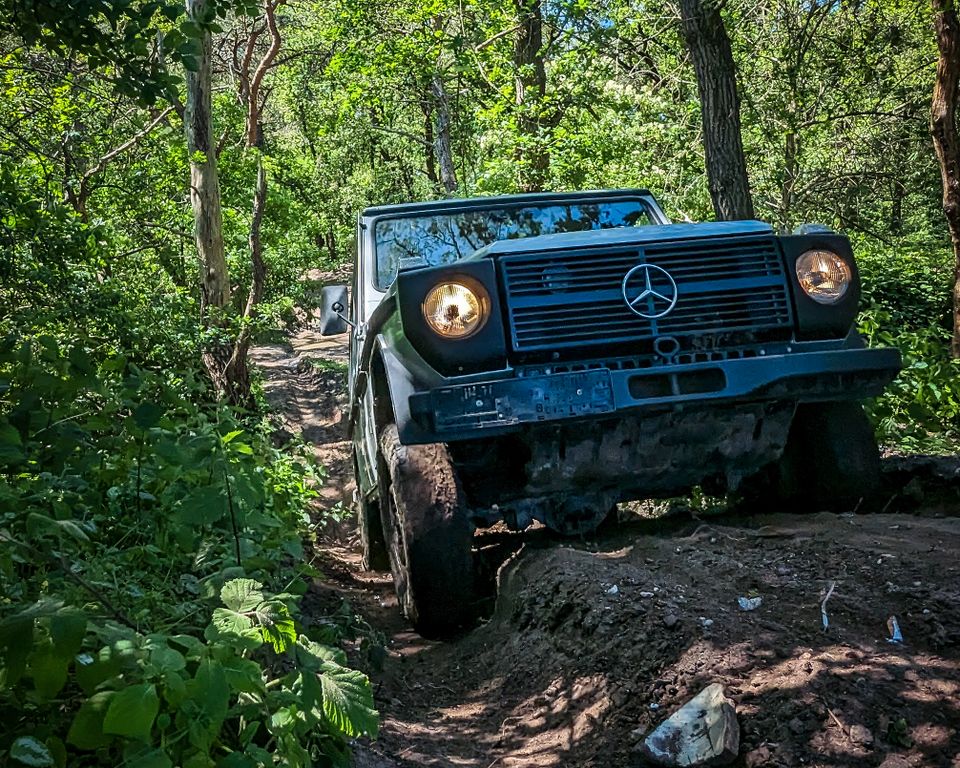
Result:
{"points": [[704, 731]]}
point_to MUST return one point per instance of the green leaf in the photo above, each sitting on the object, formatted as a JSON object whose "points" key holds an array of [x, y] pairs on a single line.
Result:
{"points": [[243, 675], [193, 647], [48, 670], [71, 528], [230, 436], [318, 653], [86, 730], [30, 751], [16, 640], [133, 711], [93, 670], [146, 757], [10, 444], [38, 524], [348, 701], [209, 688], [242, 595], [237, 760], [147, 415], [67, 630], [276, 625], [232, 625], [203, 506], [167, 659]]}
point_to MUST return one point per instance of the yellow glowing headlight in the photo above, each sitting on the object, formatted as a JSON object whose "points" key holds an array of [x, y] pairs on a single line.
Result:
{"points": [[455, 311], [824, 276]]}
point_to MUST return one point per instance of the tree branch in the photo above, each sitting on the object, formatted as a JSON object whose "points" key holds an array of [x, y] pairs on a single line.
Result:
{"points": [[253, 111], [132, 141]]}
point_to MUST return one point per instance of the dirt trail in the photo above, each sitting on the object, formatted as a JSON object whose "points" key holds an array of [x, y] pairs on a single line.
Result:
{"points": [[593, 643]]}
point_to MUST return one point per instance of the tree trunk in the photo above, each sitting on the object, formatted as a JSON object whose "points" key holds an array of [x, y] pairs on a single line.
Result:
{"points": [[429, 156], [943, 128], [442, 142], [204, 185], [533, 158], [237, 372], [790, 173], [709, 47]]}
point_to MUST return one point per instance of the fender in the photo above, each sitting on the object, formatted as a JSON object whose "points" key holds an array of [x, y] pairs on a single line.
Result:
{"points": [[403, 371]]}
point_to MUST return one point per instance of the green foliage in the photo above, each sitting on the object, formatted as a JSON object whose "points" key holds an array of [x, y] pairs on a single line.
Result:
{"points": [[920, 411], [150, 538], [907, 305], [162, 698], [909, 282], [125, 509], [133, 40]]}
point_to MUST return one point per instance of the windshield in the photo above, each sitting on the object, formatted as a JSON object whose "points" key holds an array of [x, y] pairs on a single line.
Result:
{"points": [[442, 238]]}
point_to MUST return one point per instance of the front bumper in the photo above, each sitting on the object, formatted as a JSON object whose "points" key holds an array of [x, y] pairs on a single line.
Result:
{"points": [[499, 406]]}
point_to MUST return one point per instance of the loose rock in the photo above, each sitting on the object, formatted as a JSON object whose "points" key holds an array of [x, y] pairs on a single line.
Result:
{"points": [[703, 732]]}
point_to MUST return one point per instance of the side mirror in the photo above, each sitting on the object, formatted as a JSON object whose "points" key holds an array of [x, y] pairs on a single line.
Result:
{"points": [[333, 310]]}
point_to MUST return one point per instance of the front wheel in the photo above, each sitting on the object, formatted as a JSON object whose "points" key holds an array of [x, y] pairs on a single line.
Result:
{"points": [[830, 462], [428, 534]]}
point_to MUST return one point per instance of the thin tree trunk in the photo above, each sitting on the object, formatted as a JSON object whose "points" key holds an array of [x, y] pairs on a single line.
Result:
{"points": [[430, 158], [943, 128], [709, 47], [442, 142], [204, 184], [790, 173], [533, 158], [237, 372]]}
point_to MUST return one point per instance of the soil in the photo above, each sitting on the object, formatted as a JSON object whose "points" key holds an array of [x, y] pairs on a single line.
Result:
{"points": [[589, 644]]}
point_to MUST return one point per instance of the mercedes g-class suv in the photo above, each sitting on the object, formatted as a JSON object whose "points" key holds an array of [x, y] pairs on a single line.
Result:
{"points": [[544, 357]]}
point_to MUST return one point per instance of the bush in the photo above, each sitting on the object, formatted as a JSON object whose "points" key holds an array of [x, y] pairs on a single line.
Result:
{"points": [[920, 411], [910, 284], [150, 538]]}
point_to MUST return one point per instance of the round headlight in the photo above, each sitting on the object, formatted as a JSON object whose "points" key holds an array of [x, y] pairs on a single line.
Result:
{"points": [[824, 276], [456, 311]]}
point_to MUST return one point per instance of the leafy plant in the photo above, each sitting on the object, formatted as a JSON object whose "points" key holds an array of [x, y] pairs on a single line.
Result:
{"points": [[150, 537], [920, 410], [163, 699]]}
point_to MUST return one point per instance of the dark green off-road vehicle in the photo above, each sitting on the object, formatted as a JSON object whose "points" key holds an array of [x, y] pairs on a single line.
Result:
{"points": [[543, 357]]}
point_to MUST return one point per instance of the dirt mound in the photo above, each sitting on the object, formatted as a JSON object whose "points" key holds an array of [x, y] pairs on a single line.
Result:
{"points": [[591, 648]]}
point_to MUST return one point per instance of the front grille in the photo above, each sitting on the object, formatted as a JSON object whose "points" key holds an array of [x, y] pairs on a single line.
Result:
{"points": [[572, 298]]}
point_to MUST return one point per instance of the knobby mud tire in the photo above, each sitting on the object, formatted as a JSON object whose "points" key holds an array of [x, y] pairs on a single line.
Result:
{"points": [[831, 462], [370, 527], [429, 536]]}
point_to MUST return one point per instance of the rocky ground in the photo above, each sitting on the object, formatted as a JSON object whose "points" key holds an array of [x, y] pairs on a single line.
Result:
{"points": [[588, 645]]}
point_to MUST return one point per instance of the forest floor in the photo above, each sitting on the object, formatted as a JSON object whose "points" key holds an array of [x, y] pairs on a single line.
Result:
{"points": [[591, 643]]}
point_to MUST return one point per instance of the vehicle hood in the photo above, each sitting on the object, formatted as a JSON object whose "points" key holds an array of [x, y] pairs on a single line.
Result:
{"points": [[623, 236]]}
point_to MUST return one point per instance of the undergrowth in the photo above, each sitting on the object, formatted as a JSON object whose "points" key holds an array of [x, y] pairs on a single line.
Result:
{"points": [[150, 537], [907, 293]]}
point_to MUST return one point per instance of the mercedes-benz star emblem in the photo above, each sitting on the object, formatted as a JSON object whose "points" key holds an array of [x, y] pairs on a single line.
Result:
{"points": [[650, 291]]}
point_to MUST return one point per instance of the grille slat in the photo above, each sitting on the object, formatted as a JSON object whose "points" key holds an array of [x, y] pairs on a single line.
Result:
{"points": [[574, 298]]}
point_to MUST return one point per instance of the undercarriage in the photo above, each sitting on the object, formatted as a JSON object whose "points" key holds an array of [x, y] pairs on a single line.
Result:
{"points": [[568, 477]]}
